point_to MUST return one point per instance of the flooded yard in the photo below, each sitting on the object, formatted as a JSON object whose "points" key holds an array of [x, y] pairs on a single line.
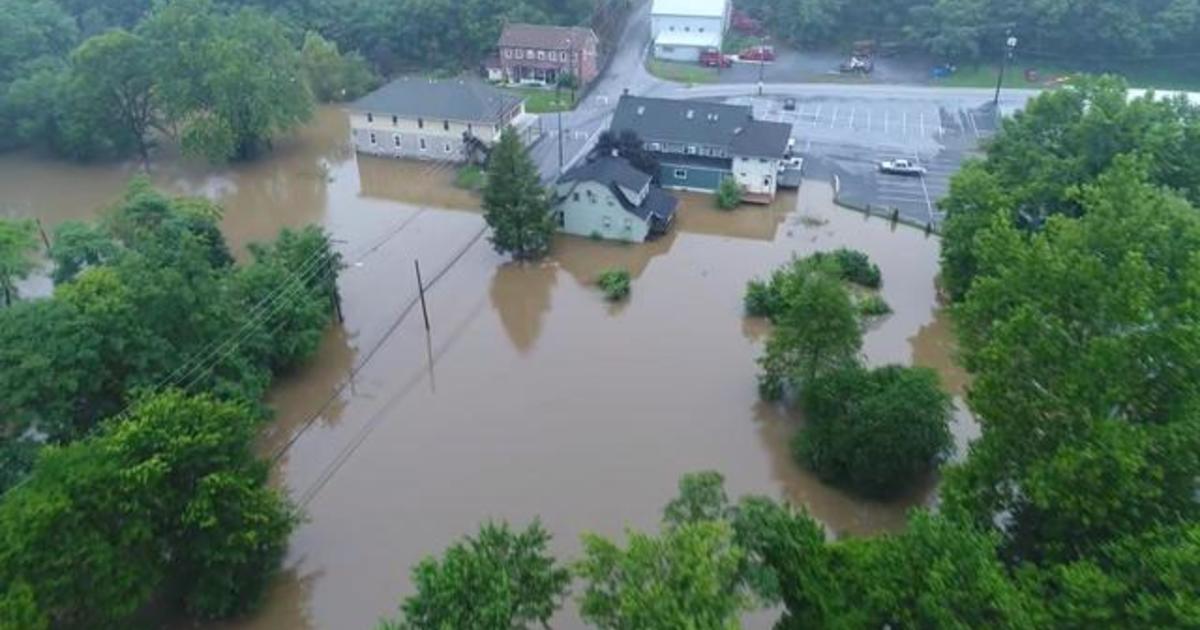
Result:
{"points": [[531, 396]]}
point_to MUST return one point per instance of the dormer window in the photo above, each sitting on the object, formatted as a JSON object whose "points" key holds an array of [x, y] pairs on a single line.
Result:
{"points": [[370, 117]]}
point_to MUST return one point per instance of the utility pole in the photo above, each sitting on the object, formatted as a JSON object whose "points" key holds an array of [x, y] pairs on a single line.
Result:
{"points": [[1010, 45], [762, 62], [421, 290]]}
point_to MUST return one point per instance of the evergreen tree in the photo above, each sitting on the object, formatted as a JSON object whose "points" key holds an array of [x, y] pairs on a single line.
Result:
{"points": [[515, 205]]}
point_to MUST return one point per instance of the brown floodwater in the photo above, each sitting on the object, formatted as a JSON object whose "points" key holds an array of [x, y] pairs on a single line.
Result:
{"points": [[531, 396]]}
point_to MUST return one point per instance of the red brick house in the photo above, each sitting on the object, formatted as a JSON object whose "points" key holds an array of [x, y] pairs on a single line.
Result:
{"points": [[531, 53]]}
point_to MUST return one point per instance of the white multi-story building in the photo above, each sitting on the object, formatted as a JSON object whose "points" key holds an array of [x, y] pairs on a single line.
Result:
{"points": [[682, 29]]}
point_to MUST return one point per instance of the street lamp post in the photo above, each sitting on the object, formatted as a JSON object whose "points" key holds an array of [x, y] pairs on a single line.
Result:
{"points": [[1010, 45], [762, 62]]}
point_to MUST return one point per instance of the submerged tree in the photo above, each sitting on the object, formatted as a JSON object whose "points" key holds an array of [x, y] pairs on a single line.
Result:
{"points": [[515, 204], [497, 579], [18, 243]]}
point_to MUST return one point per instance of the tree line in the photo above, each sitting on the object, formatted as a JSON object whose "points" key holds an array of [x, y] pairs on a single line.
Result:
{"points": [[1072, 262], [129, 401], [223, 82], [968, 30]]}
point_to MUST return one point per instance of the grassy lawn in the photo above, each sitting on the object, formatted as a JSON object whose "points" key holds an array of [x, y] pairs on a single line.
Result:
{"points": [[689, 73], [470, 177], [544, 100], [1168, 77]]}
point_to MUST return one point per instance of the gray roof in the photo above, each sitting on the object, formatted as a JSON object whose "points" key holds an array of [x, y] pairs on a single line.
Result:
{"points": [[546, 37], [701, 123], [609, 170], [463, 99], [762, 139], [661, 204]]}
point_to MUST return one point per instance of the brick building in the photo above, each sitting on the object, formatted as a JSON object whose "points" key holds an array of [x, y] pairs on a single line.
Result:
{"points": [[531, 53]]}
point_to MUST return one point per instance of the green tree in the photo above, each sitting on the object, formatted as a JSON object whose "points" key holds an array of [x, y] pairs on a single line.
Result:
{"points": [[817, 332], [18, 243], [333, 76], [729, 194], [514, 202], [688, 577], [874, 431], [168, 493], [112, 77], [497, 579], [78, 246], [1084, 383], [231, 81]]}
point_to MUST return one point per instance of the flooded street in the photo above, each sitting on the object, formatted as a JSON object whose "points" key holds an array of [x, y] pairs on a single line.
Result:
{"points": [[531, 396]]}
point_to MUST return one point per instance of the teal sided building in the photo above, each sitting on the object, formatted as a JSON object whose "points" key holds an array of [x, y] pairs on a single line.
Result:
{"points": [[689, 173]]}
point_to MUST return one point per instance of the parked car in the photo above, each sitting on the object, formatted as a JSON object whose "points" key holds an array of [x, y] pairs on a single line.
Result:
{"points": [[789, 104], [758, 53], [901, 167], [713, 58], [860, 65]]}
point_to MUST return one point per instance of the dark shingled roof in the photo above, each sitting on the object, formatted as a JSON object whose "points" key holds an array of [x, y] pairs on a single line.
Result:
{"points": [[463, 99], [546, 37], [616, 172], [609, 170], [762, 139], [701, 122]]}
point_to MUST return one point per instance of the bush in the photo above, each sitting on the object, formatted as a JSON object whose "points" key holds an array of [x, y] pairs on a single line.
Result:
{"points": [[762, 299], [615, 284], [874, 306], [874, 432], [856, 267], [729, 194]]}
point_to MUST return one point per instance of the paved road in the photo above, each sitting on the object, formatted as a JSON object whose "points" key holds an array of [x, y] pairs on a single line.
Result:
{"points": [[842, 129]]}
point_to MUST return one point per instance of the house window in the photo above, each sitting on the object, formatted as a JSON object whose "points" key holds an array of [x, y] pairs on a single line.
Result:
{"points": [[672, 27], [395, 120], [575, 196], [520, 54], [372, 138], [529, 53], [396, 140], [687, 29], [681, 174], [701, 29], [420, 123], [628, 223], [447, 148], [691, 150], [370, 117], [654, 146], [445, 125], [541, 55], [507, 53], [422, 143], [591, 197], [607, 221]]}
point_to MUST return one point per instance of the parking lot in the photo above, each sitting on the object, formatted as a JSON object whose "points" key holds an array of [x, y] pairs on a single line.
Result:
{"points": [[849, 137]]}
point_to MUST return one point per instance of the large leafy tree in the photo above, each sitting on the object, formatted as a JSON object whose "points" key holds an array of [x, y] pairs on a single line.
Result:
{"points": [[167, 494], [112, 87], [687, 577], [817, 331], [515, 204], [231, 81], [1062, 141], [18, 244], [498, 579], [1083, 344], [331, 75], [874, 431]]}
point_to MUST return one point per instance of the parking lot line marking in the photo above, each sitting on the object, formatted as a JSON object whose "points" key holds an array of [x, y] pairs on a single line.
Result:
{"points": [[905, 130], [816, 115], [800, 114], [922, 124], [853, 112], [941, 130], [833, 121], [974, 125]]}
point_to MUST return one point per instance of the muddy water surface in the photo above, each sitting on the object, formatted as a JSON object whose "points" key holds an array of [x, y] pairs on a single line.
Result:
{"points": [[531, 396]]}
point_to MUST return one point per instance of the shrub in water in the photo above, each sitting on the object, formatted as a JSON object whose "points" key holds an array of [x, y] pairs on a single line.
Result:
{"points": [[615, 284]]}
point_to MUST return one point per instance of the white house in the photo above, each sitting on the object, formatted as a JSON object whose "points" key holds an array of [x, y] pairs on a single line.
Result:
{"points": [[682, 29], [608, 198]]}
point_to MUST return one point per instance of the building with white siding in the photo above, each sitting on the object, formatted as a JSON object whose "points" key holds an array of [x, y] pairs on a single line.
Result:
{"points": [[682, 29]]}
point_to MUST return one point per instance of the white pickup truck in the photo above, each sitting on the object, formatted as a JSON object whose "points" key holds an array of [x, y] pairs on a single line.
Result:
{"points": [[901, 167]]}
